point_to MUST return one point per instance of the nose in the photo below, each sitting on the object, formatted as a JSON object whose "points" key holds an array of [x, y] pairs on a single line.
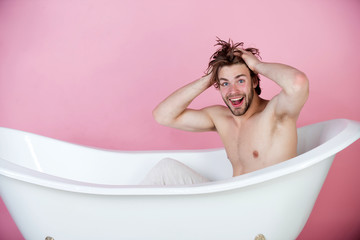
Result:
{"points": [[234, 89]]}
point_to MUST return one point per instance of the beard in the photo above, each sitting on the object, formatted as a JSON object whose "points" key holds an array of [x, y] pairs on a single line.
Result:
{"points": [[238, 111]]}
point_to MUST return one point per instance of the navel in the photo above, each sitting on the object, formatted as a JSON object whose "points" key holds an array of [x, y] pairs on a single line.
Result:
{"points": [[255, 154]]}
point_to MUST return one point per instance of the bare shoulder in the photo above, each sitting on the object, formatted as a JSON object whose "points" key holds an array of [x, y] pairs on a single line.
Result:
{"points": [[220, 116], [216, 111], [288, 106], [277, 122], [271, 109], [270, 118], [270, 106]]}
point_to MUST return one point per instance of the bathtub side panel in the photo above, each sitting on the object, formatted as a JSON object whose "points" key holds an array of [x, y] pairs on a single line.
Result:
{"points": [[235, 214]]}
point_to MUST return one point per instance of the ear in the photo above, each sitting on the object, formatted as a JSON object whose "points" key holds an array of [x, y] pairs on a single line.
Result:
{"points": [[255, 82]]}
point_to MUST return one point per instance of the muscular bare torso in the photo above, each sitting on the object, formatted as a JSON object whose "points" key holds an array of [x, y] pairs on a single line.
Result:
{"points": [[256, 141]]}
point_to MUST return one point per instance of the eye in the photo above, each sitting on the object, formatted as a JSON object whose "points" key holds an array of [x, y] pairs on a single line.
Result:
{"points": [[241, 81], [224, 84]]}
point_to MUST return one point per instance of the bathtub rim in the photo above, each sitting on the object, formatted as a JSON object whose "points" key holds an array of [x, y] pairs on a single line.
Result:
{"points": [[349, 134]]}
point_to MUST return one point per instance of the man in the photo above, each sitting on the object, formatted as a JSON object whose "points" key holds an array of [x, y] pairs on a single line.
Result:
{"points": [[256, 133]]}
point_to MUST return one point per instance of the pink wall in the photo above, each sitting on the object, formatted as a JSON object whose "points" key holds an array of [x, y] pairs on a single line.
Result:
{"points": [[91, 72]]}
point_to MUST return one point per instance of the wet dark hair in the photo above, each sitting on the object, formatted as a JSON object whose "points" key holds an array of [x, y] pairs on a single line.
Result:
{"points": [[229, 54]]}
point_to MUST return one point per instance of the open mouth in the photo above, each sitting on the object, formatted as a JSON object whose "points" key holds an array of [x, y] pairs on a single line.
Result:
{"points": [[236, 102]]}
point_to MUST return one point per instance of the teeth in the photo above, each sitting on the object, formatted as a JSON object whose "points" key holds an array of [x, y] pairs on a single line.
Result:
{"points": [[235, 99]]}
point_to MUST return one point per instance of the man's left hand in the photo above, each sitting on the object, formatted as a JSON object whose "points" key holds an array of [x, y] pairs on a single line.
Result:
{"points": [[249, 58]]}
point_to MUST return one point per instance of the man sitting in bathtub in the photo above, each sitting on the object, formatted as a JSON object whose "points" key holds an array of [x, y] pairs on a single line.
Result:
{"points": [[256, 133]]}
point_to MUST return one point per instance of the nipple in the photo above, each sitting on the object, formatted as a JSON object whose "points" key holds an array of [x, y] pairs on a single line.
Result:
{"points": [[255, 154]]}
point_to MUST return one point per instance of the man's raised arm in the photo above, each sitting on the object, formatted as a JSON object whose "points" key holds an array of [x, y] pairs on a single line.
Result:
{"points": [[174, 111], [294, 84]]}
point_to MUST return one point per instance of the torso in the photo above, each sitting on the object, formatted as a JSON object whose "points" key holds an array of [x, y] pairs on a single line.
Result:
{"points": [[255, 142]]}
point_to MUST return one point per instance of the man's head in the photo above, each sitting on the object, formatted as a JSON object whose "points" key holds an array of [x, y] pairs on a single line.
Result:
{"points": [[229, 54], [230, 74]]}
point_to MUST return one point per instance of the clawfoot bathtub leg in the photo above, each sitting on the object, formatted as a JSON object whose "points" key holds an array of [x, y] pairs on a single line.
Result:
{"points": [[260, 237], [49, 238]]}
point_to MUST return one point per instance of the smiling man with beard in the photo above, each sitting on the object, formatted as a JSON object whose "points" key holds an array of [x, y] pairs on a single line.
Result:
{"points": [[256, 133]]}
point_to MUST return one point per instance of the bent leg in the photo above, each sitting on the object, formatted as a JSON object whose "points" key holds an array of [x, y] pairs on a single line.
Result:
{"points": [[172, 172]]}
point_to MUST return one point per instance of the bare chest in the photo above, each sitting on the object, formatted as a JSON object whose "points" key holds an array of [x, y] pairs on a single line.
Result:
{"points": [[255, 145], [247, 143]]}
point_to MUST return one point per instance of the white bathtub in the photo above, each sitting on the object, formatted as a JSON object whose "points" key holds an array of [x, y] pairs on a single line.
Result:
{"points": [[66, 191]]}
